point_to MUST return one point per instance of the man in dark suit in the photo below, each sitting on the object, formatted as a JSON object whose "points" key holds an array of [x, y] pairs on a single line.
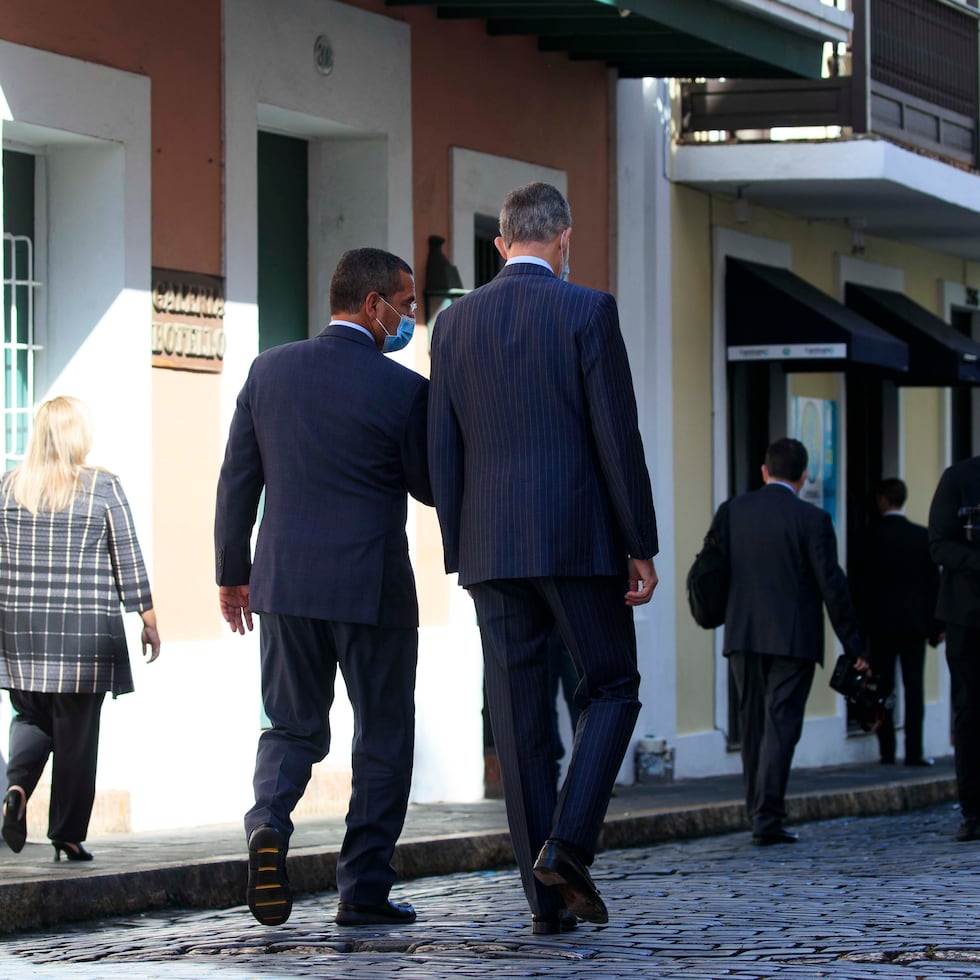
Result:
{"points": [[335, 434], [546, 512], [954, 543], [783, 569], [895, 586]]}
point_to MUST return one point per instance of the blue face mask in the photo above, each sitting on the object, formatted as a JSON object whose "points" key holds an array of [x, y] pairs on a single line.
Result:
{"points": [[565, 271], [400, 338]]}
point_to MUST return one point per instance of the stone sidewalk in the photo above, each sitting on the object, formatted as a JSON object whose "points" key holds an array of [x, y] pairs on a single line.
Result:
{"points": [[206, 868]]}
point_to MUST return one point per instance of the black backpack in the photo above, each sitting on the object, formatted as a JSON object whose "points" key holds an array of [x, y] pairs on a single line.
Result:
{"points": [[707, 581]]}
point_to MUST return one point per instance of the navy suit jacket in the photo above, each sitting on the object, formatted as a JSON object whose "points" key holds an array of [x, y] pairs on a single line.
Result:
{"points": [[536, 458], [335, 433], [783, 560], [895, 581]]}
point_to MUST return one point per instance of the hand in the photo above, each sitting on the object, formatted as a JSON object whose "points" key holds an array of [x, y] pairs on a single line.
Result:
{"points": [[643, 580], [233, 601], [862, 665], [151, 643]]}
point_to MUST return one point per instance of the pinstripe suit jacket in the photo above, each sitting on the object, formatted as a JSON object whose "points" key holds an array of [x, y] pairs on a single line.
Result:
{"points": [[63, 578], [534, 451]]}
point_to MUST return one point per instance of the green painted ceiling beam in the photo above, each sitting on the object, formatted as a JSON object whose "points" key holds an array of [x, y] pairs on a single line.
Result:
{"points": [[685, 38]]}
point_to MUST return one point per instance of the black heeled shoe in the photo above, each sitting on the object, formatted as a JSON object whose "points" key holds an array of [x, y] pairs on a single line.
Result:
{"points": [[14, 822], [74, 852]]}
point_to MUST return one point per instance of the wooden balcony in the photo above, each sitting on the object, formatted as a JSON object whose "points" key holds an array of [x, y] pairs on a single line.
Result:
{"points": [[911, 75]]}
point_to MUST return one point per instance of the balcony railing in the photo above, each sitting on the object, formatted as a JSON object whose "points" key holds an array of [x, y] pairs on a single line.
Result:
{"points": [[911, 74]]}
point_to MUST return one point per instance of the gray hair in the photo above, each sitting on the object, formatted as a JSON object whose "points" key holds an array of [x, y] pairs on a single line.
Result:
{"points": [[534, 213]]}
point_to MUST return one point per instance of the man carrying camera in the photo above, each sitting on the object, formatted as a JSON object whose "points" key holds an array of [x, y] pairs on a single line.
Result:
{"points": [[895, 585], [954, 543]]}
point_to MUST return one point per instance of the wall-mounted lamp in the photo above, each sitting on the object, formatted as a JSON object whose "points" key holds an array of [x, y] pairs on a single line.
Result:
{"points": [[857, 226], [442, 283], [741, 208]]}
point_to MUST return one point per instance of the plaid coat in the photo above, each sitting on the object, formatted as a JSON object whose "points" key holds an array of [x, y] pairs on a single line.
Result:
{"points": [[63, 577]]}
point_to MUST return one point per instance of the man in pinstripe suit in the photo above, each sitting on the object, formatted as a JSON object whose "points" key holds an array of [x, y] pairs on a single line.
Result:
{"points": [[546, 511]]}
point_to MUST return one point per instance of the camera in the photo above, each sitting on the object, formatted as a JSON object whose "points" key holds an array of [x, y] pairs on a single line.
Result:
{"points": [[864, 692], [970, 517]]}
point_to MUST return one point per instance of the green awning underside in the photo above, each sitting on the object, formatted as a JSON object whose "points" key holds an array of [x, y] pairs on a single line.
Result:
{"points": [[649, 38]]}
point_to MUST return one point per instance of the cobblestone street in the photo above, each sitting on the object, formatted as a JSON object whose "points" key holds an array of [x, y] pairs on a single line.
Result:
{"points": [[890, 896]]}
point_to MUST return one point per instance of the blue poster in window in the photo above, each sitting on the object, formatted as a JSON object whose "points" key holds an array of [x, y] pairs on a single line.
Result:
{"points": [[815, 425]]}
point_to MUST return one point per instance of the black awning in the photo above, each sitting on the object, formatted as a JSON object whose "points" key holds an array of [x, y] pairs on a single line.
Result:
{"points": [[774, 315], [939, 355]]}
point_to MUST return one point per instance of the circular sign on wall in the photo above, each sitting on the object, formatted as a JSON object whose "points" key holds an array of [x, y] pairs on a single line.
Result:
{"points": [[323, 55]]}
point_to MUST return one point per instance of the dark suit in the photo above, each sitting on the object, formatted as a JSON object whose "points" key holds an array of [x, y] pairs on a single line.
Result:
{"points": [[335, 434], [895, 586], [783, 560], [959, 608], [542, 494]]}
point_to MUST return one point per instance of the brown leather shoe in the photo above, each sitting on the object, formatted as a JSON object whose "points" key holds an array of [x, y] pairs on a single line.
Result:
{"points": [[557, 866]]}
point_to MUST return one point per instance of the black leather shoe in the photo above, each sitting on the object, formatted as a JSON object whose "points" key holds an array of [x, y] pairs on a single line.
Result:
{"points": [[387, 914], [268, 895], [775, 836], [969, 829], [920, 762], [14, 821], [564, 921], [557, 866]]}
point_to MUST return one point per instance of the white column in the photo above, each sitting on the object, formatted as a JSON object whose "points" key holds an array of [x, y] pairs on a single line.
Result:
{"points": [[642, 249]]}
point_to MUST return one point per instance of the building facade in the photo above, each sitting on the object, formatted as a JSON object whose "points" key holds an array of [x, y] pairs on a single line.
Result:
{"points": [[177, 187]]}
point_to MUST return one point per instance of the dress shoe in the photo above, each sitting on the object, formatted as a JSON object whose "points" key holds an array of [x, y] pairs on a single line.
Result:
{"points": [[72, 851], [386, 914], [557, 866], [778, 835], [268, 895], [15, 820], [920, 762], [969, 829], [551, 925]]}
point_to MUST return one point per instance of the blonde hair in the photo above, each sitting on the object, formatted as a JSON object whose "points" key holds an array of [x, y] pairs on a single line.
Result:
{"points": [[48, 478]]}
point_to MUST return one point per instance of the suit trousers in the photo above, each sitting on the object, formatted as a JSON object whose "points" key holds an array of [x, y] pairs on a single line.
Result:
{"points": [[67, 726], [516, 618], [299, 658], [884, 649], [963, 658], [772, 693]]}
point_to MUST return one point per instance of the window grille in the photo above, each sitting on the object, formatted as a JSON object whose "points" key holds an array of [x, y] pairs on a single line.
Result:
{"points": [[20, 290]]}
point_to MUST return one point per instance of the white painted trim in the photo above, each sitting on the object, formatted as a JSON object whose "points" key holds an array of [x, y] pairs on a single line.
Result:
{"points": [[89, 127], [644, 291], [480, 182]]}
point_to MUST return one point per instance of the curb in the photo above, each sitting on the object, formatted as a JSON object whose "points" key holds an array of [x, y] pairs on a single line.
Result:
{"points": [[220, 883]]}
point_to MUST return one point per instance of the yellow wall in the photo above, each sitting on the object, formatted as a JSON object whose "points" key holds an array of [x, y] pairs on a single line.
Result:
{"points": [[693, 469], [815, 247]]}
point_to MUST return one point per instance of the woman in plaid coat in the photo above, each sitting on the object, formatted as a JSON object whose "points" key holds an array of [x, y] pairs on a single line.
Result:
{"points": [[69, 559]]}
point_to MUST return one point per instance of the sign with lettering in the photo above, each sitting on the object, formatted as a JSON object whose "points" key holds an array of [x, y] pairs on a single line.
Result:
{"points": [[187, 328]]}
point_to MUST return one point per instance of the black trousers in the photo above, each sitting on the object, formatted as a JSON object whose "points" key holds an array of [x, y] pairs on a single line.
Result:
{"points": [[67, 726], [516, 618], [772, 693], [909, 649], [299, 667], [963, 658]]}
